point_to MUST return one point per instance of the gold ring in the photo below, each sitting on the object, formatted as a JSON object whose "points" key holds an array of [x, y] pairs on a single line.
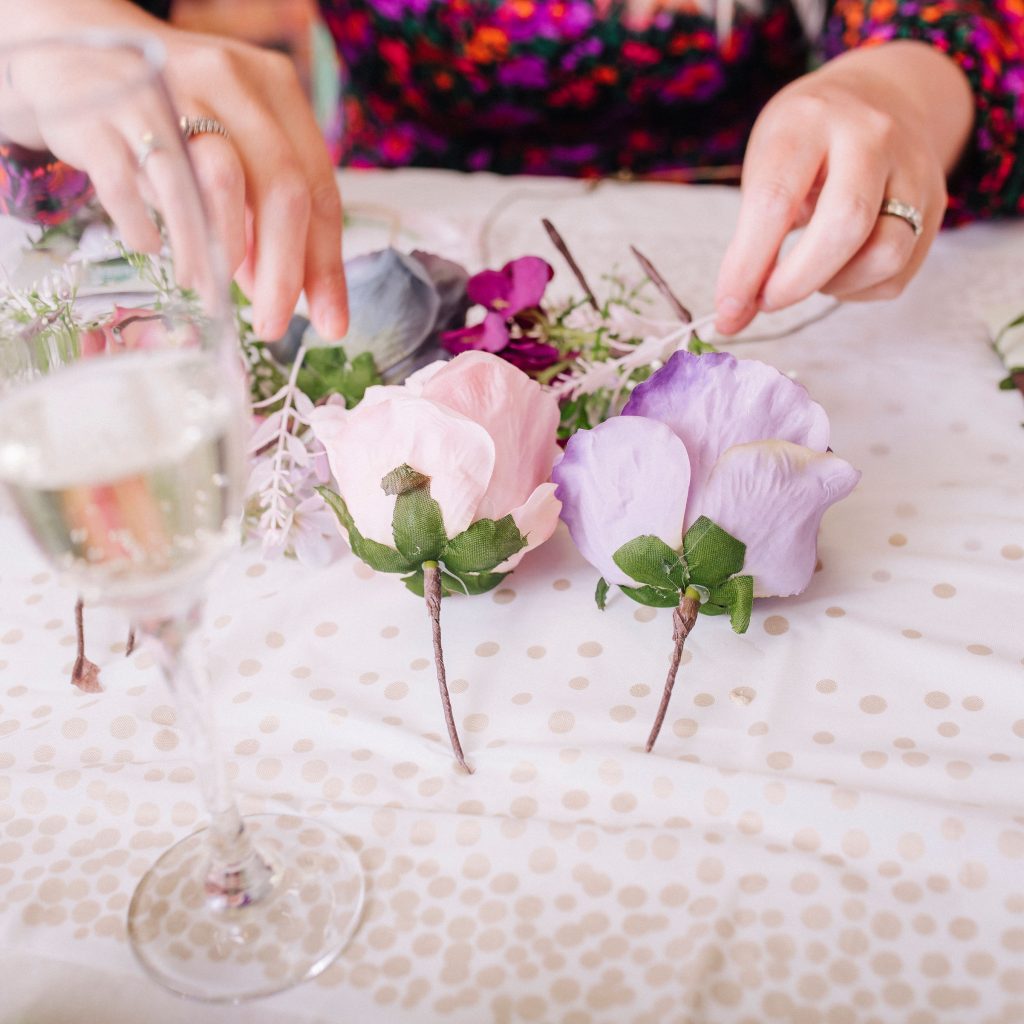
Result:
{"points": [[191, 126], [905, 212]]}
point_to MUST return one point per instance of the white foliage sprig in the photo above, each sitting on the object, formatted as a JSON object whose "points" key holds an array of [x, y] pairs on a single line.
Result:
{"points": [[281, 459]]}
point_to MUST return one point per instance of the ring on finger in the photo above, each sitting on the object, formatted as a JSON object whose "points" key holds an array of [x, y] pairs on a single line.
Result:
{"points": [[910, 214], [148, 145], [192, 126]]}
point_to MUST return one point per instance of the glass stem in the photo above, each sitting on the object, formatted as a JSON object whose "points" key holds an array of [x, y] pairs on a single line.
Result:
{"points": [[237, 874]]}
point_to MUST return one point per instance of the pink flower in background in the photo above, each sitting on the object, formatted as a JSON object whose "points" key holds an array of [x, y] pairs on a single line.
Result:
{"points": [[481, 430], [128, 329]]}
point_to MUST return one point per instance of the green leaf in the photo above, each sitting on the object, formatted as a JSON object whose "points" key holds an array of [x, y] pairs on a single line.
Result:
{"points": [[698, 347], [713, 609], [474, 583], [376, 556], [711, 554], [650, 561], [327, 371], [484, 545], [735, 596], [652, 596], [414, 582], [601, 594], [418, 526]]}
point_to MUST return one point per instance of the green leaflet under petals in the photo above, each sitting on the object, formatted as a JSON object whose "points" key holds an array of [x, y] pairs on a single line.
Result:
{"points": [[711, 554], [601, 594], [735, 596], [652, 596], [473, 583], [651, 562], [377, 556], [484, 545], [418, 525]]}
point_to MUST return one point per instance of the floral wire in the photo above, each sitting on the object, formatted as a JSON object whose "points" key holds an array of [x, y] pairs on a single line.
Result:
{"points": [[784, 332]]}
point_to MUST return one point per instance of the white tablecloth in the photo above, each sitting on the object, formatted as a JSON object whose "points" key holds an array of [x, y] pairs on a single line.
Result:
{"points": [[831, 828]]}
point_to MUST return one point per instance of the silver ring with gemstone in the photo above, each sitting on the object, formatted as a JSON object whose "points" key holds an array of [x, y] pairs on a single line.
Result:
{"points": [[905, 212], [192, 126]]}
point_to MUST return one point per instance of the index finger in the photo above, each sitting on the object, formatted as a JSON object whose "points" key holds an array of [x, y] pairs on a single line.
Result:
{"points": [[324, 279], [778, 174], [844, 217]]}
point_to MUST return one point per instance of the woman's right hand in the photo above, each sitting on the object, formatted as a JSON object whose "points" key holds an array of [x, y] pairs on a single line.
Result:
{"points": [[269, 187]]}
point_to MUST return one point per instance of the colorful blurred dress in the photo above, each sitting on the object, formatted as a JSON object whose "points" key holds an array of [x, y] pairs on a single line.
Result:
{"points": [[568, 87], [553, 87]]}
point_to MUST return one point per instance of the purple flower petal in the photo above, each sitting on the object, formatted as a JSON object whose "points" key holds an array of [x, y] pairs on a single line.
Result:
{"points": [[490, 288], [531, 356], [771, 495], [528, 277], [715, 401], [625, 478], [489, 336]]}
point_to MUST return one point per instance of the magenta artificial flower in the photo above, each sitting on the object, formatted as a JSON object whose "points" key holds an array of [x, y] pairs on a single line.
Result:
{"points": [[507, 294]]}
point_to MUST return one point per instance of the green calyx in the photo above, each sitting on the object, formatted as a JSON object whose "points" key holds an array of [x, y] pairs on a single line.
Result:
{"points": [[706, 570], [467, 561]]}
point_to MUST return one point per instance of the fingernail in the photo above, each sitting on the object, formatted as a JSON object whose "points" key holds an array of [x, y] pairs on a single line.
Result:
{"points": [[268, 329], [331, 321], [730, 308]]}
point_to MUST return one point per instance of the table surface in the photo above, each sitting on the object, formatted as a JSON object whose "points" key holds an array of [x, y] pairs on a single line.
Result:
{"points": [[831, 828]]}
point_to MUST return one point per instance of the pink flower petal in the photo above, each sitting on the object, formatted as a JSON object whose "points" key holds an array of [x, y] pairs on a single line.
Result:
{"points": [[516, 412], [626, 478], [537, 520], [771, 495], [715, 401], [374, 439]]}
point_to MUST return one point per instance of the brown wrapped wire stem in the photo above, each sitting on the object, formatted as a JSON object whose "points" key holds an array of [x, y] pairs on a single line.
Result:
{"points": [[559, 243], [684, 618], [432, 592], [85, 674]]}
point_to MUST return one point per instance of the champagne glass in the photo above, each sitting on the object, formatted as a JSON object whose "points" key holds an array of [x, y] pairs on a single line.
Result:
{"points": [[123, 421]]}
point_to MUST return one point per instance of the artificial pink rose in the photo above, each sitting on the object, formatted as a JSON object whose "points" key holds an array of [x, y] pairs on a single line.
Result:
{"points": [[480, 429], [133, 328], [445, 480]]}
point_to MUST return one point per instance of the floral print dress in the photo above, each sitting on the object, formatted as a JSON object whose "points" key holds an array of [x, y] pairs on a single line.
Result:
{"points": [[568, 87], [554, 87]]}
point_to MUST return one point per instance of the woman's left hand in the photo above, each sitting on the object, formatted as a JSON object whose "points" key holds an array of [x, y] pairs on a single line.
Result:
{"points": [[889, 122]]}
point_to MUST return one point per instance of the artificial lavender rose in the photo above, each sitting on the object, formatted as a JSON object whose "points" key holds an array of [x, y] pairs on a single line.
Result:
{"points": [[734, 441], [450, 279], [393, 306], [398, 306]]}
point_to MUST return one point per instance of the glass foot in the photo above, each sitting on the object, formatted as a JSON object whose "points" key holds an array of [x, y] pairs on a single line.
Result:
{"points": [[292, 933]]}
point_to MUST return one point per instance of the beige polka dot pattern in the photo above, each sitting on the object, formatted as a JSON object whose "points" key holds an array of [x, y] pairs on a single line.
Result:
{"points": [[825, 834]]}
